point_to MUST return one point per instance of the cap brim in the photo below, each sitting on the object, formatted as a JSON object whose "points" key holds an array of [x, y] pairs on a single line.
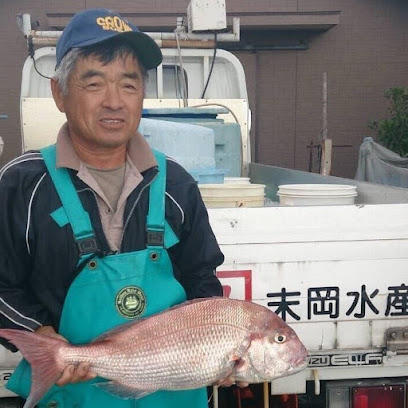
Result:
{"points": [[149, 53]]}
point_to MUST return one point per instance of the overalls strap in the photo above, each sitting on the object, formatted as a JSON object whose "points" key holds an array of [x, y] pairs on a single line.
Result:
{"points": [[77, 216], [156, 216], [159, 233]]}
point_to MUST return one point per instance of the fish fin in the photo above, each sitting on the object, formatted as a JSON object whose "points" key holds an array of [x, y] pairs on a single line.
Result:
{"points": [[123, 327], [116, 330], [241, 350], [122, 391], [39, 351], [196, 300], [240, 367], [238, 364]]}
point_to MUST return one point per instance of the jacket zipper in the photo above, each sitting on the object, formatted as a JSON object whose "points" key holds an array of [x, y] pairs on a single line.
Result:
{"points": [[132, 209]]}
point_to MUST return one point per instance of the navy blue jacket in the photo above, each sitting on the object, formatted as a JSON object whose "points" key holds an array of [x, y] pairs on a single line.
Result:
{"points": [[38, 258]]}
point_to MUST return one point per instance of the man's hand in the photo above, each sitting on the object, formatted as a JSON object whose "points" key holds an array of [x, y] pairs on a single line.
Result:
{"points": [[71, 373], [75, 374]]}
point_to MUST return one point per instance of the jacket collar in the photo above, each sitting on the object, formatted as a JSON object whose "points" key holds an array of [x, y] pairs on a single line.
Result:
{"points": [[139, 151]]}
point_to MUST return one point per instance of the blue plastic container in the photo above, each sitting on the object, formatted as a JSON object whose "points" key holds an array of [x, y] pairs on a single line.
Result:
{"points": [[190, 145], [227, 136], [208, 175]]}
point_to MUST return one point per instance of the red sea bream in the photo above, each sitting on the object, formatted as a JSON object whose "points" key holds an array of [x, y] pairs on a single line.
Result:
{"points": [[195, 344]]}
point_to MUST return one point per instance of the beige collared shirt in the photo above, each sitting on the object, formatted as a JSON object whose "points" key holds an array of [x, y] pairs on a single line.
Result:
{"points": [[139, 158]]}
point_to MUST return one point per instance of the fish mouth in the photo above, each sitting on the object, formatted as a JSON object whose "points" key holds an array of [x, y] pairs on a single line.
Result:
{"points": [[294, 370], [299, 365]]}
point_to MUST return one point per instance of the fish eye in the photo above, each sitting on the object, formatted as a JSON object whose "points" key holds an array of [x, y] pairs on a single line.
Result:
{"points": [[280, 338]]}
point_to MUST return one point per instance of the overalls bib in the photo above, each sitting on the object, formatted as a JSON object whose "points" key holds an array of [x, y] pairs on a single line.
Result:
{"points": [[109, 291]]}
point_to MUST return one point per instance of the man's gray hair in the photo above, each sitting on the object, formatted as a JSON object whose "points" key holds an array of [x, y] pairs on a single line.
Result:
{"points": [[106, 54]]}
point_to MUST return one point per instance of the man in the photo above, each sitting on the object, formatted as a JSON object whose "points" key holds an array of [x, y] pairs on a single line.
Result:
{"points": [[99, 229]]}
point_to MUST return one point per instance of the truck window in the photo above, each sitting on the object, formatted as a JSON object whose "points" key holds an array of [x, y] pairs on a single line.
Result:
{"points": [[172, 83]]}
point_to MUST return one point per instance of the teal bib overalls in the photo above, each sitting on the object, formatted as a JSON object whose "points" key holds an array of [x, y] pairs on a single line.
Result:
{"points": [[109, 291]]}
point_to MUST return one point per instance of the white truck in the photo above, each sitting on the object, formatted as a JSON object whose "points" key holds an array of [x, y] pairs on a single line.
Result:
{"points": [[337, 274]]}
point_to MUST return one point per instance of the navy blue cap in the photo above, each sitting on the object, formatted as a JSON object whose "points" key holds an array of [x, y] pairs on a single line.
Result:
{"points": [[94, 26]]}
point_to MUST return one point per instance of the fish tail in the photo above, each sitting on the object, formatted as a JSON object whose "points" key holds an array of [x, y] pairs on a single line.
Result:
{"points": [[40, 352]]}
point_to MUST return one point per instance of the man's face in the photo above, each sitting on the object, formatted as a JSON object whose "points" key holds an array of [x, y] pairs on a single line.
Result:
{"points": [[104, 102]]}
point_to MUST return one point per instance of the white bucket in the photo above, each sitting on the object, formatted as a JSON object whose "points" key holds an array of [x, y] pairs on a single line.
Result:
{"points": [[232, 202], [316, 194], [232, 195], [236, 180]]}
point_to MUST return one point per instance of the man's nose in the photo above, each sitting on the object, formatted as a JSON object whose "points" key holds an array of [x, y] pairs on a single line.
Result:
{"points": [[113, 98]]}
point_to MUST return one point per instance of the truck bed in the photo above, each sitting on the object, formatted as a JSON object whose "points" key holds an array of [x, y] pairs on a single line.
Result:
{"points": [[336, 274]]}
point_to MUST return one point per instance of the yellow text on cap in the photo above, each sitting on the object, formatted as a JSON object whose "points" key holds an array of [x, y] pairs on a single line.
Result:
{"points": [[113, 24]]}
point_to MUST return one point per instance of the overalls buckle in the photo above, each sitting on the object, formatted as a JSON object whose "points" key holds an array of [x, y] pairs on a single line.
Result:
{"points": [[155, 238], [87, 246]]}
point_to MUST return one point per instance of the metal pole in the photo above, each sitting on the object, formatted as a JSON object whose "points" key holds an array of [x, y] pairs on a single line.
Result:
{"points": [[326, 144], [266, 394], [324, 107], [182, 35], [207, 44], [215, 396]]}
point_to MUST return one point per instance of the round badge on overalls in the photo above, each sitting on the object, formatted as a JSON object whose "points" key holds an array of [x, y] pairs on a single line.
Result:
{"points": [[130, 302]]}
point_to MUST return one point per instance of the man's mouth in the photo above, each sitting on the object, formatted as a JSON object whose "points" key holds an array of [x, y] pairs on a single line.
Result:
{"points": [[112, 120]]}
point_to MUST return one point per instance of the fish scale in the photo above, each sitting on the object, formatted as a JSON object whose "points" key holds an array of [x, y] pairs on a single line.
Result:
{"points": [[192, 345], [152, 362]]}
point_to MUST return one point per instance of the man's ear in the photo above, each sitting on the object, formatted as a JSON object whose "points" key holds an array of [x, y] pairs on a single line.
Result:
{"points": [[57, 95]]}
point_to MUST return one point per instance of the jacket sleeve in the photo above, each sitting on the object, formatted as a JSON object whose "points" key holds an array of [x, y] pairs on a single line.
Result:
{"points": [[197, 255], [19, 309]]}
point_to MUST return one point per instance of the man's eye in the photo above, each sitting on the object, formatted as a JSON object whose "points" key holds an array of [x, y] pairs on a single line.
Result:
{"points": [[94, 85], [130, 87]]}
